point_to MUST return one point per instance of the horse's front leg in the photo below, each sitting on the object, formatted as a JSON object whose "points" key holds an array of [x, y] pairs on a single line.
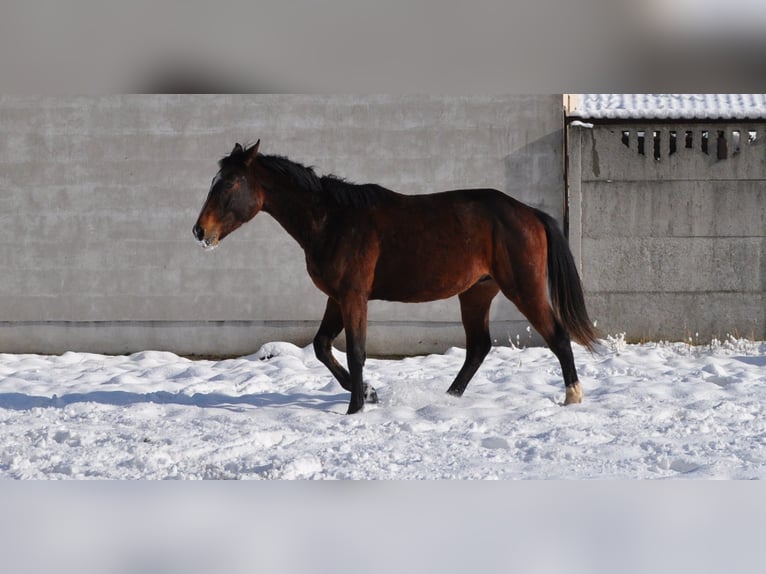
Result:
{"points": [[354, 311], [330, 328]]}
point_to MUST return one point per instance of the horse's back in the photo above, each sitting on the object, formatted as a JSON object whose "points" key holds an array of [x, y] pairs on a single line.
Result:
{"points": [[438, 245]]}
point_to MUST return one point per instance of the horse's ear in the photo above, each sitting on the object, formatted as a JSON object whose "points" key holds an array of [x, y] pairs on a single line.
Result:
{"points": [[237, 149], [252, 153]]}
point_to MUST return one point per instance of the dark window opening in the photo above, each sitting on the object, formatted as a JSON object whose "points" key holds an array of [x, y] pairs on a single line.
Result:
{"points": [[704, 142], [640, 136], [722, 151], [673, 136], [657, 142], [688, 140]]}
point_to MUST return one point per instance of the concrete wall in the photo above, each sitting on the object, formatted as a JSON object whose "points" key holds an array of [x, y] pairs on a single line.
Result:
{"points": [[671, 246], [98, 196]]}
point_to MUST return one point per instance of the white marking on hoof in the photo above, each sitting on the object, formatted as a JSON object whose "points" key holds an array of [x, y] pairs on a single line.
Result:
{"points": [[574, 394]]}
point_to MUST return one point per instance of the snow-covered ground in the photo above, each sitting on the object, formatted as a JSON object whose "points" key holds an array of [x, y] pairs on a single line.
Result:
{"points": [[650, 411]]}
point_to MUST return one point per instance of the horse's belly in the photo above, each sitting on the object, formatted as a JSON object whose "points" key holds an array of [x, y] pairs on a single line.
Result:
{"points": [[432, 252], [427, 280]]}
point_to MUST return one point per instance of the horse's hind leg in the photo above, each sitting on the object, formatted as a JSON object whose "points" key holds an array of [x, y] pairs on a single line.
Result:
{"points": [[474, 311], [533, 303], [329, 329], [561, 346]]}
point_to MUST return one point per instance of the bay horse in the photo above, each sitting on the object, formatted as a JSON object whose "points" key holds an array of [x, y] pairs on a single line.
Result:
{"points": [[365, 242]]}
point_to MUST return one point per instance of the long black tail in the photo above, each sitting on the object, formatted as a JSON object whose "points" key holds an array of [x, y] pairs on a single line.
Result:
{"points": [[564, 286]]}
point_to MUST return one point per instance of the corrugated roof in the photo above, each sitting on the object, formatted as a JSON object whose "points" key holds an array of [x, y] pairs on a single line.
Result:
{"points": [[667, 106]]}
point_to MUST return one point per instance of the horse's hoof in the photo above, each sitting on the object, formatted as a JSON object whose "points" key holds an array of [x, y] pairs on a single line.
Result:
{"points": [[352, 409], [371, 396], [574, 394]]}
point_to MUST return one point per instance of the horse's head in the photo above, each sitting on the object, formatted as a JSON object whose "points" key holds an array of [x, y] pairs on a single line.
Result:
{"points": [[233, 199]]}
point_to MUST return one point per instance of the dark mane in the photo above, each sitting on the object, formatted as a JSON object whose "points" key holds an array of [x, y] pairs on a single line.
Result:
{"points": [[353, 194], [302, 176], [336, 189]]}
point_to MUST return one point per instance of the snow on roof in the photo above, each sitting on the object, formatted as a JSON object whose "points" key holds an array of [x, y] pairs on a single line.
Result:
{"points": [[668, 106]]}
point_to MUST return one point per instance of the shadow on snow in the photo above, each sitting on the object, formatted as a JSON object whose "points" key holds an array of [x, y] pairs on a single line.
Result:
{"points": [[23, 402]]}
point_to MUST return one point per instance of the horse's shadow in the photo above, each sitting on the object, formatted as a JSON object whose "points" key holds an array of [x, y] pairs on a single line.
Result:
{"points": [[24, 402]]}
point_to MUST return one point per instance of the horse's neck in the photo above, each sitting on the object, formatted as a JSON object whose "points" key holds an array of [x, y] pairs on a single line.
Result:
{"points": [[297, 211]]}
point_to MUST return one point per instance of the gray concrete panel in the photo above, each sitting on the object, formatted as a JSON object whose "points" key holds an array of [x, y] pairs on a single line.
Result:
{"points": [[675, 244], [98, 196]]}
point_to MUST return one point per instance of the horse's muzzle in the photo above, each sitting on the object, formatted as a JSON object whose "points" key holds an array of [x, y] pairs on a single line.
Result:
{"points": [[206, 242]]}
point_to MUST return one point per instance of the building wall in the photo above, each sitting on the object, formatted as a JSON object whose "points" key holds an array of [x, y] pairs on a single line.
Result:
{"points": [[98, 196], [671, 246]]}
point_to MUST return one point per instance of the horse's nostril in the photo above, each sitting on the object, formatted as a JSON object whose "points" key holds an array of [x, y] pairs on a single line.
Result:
{"points": [[199, 233]]}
